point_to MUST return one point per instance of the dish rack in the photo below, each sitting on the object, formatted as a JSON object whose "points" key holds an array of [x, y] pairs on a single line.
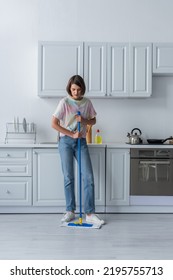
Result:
{"points": [[20, 132]]}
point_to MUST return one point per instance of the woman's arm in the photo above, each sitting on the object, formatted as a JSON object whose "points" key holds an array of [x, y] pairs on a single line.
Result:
{"points": [[86, 121], [56, 125]]}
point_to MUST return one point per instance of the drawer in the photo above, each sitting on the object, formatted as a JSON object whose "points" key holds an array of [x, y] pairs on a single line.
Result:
{"points": [[15, 169], [15, 191], [17, 155]]}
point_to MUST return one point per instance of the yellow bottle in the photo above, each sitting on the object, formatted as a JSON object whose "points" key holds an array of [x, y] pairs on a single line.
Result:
{"points": [[98, 138]]}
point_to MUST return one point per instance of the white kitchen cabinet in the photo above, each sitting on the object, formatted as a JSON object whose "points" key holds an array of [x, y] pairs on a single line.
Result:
{"points": [[57, 62], [98, 160], [162, 58], [117, 69], [48, 182], [109, 69], [15, 191], [95, 68], [117, 177], [15, 177], [140, 70]]}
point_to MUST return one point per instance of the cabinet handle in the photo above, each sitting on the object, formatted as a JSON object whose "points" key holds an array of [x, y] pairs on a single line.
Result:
{"points": [[8, 170], [8, 155], [8, 192]]}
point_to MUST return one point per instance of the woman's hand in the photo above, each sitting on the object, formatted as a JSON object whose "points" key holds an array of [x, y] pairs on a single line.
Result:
{"points": [[76, 135], [79, 118]]}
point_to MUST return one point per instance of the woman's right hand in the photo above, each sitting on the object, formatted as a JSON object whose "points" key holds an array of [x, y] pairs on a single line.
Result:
{"points": [[76, 135]]}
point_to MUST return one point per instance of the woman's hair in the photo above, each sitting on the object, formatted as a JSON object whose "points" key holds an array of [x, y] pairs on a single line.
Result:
{"points": [[77, 80]]}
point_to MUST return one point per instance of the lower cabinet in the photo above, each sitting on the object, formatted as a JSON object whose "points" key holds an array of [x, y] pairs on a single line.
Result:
{"points": [[117, 177], [98, 160], [31, 180], [15, 177], [48, 182], [47, 178], [15, 191]]}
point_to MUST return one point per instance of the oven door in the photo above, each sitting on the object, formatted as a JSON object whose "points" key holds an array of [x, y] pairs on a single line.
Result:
{"points": [[151, 177]]}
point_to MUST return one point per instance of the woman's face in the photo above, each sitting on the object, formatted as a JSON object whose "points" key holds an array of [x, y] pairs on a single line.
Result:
{"points": [[76, 92]]}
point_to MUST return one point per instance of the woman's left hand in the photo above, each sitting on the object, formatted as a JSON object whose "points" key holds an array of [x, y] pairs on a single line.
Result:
{"points": [[79, 119]]}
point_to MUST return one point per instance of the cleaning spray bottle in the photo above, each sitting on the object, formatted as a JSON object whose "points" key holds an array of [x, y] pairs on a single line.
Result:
{"points": [[98, 138]]}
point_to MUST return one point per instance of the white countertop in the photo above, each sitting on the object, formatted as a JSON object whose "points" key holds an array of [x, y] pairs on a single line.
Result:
{"points": [[109, 145]]}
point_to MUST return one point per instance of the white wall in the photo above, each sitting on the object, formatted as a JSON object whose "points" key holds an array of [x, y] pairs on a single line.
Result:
{"points": [[24, 22]]}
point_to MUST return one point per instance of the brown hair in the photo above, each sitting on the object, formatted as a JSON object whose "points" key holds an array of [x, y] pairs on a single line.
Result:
{"points": [[77, 80]]}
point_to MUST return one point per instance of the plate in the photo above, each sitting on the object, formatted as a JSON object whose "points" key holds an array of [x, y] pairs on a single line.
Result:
{"points": [[24, 125]]}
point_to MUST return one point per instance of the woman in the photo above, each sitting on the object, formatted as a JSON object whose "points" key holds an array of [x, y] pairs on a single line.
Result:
{"points": [[65, 121]]}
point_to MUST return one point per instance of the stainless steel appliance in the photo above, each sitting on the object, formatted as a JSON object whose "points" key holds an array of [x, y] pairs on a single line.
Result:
{"points": [[134, 137], [151, 172]]}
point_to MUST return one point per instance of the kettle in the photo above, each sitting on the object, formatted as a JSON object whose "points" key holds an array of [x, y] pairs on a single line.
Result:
{"points": [[134, 137]]}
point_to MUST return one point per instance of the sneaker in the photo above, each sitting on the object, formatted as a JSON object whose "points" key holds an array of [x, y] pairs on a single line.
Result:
{"points": [[69, 216], [95, 219]]}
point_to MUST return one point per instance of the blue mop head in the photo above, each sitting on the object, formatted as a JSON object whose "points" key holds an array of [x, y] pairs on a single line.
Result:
{"points": [[79, 225]]}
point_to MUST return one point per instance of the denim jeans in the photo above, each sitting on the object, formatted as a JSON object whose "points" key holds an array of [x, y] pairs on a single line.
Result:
{"points": [[68, 149]]}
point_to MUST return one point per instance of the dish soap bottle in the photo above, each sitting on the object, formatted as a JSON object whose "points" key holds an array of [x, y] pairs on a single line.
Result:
{"points": [[98, 138]]}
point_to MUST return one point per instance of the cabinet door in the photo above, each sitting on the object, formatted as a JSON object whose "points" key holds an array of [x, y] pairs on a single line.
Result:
{"points": [[118, 69], [117, 174], [95, 68], [140, 70], [98, 163], [163, 58], [48, 182], [15, 191], [58, 61], [97, 156]]}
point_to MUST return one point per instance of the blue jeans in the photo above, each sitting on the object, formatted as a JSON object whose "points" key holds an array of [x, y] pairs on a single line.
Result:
{"points": [[68, 149]]}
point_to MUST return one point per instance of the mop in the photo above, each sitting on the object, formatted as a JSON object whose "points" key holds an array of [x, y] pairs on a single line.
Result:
{"points": [[80, 223]]}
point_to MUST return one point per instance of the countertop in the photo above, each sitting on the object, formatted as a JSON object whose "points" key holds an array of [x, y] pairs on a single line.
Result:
{"points": [[109, 145]]}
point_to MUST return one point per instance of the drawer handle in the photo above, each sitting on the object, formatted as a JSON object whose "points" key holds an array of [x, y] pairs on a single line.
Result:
{"points": [[8, 192], [8, 170], [8, 155]]}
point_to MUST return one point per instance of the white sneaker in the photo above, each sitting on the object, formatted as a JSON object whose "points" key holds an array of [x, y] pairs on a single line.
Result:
{"points": [[95, 219], [68, 216]]}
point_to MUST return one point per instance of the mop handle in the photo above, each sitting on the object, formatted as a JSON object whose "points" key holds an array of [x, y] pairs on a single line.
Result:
{"points": [[79, 173]]}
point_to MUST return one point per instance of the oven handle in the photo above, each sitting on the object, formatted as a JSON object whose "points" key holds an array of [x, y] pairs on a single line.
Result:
{"points": [[155, 162]]}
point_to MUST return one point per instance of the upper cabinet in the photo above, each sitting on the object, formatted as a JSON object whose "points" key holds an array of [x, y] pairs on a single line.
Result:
{"points": [[106, 69], [128, 72], [140, 69], [95, 68], [109, 69], [117, 69], [163, 58], [58, 61]]}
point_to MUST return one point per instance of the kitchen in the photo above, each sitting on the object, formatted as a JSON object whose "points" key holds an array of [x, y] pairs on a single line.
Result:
{"points": [[25, 23]]}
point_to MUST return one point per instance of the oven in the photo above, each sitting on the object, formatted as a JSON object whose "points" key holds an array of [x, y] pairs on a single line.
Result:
{"points": [[151, 172]]}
